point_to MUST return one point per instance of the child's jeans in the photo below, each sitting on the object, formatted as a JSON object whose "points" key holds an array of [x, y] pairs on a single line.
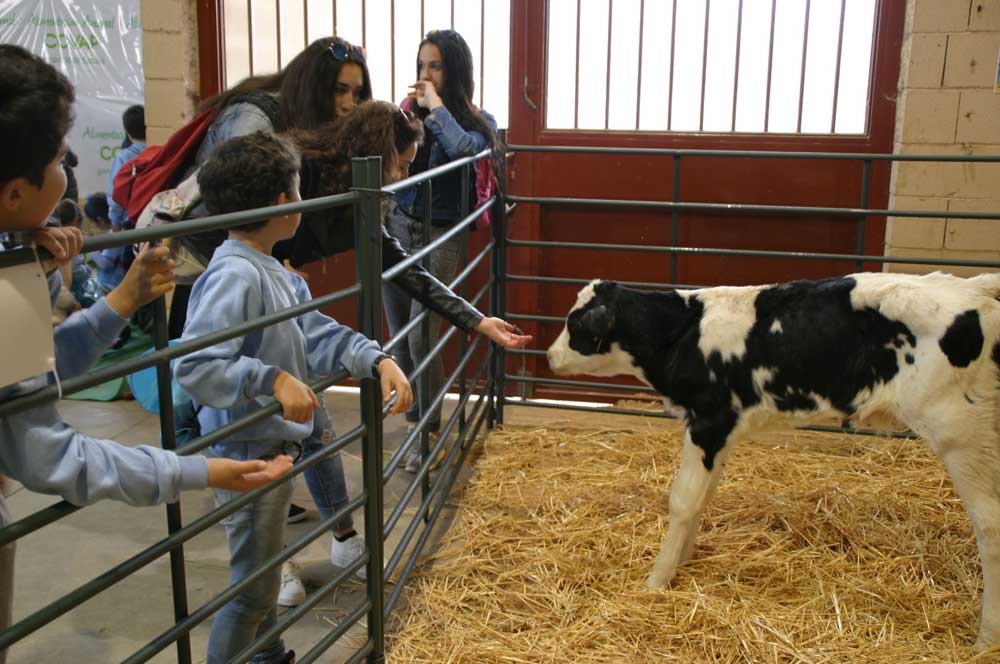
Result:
{"points": [[326, 481], [255, 533]]}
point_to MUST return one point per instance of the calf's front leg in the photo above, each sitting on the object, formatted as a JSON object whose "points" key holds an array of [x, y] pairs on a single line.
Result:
{"points": [[693, 485]]}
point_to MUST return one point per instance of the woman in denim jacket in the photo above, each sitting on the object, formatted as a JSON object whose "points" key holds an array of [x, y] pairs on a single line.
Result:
{"points": [[454, 128]]}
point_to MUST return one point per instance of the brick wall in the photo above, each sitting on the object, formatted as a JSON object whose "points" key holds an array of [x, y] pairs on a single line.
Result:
{"points": [[947, 106], [170, 50]]}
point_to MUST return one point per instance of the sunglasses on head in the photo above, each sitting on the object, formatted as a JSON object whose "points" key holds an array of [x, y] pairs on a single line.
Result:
{"points": [[344, 52]]}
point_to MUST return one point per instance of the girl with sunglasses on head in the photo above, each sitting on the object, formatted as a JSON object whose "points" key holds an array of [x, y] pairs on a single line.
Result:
{"points": [[442, 99]]}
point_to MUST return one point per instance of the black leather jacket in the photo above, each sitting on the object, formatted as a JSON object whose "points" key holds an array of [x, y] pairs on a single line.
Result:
{"points": [[328, 232]]}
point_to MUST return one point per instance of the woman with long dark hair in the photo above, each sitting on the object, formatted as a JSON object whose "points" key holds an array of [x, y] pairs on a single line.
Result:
{"points": [[442, 99]]}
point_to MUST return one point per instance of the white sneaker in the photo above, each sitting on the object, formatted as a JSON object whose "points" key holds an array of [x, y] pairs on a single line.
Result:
{"points": [[343, 554], [413, 459], [292, 591]]}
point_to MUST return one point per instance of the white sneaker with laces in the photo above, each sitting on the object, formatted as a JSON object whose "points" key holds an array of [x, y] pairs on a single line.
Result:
{"points": [[292, 592], [343, 554]]}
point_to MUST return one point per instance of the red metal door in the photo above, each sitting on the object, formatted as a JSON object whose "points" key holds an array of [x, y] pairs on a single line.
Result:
{"points": [[835, 183]]}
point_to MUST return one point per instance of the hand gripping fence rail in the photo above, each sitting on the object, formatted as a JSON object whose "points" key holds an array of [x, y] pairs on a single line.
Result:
{"points": [[487, 376]]}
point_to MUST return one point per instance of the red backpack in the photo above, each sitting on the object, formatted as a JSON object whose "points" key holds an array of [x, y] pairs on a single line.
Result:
{"points": [[484, 184], [156, 167]]}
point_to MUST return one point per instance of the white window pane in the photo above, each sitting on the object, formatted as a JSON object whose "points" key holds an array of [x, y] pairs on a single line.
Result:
{"points": [[467, 18], [821, 65], [754, 43], [655, 66], [292, 30], [265, 43], [377, 21], [561, 56], [496, 69], [320, 19], [786, 68], [407, 42], [437, 14], [855, 67], [237, 42], [593, 63], [624, 64], [349, 21], [690, 34], [721, 65]]}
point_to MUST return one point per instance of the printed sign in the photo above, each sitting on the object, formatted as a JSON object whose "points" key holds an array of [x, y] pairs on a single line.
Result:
{"points": [[97, 44]]}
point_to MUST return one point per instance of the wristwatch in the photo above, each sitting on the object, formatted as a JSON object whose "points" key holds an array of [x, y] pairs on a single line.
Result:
{"points": [[378, 361]]}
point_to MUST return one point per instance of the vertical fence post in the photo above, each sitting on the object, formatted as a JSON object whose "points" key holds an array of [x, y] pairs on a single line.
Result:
{"points": [[367, 178], [463, 258], [427, 194], [498, 268], [168, 441], [866, 185], [675, 216]]}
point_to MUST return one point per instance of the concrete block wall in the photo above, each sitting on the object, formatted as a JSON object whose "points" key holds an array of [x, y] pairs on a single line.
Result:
{"points": [[170, 60], [947, 106]]}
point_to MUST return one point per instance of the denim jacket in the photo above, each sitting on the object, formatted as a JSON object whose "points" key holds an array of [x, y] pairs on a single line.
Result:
{"points": [[452, 142]]}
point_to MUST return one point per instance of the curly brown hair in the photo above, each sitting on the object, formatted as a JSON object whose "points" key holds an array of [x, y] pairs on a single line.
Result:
{"points": [[373, 129]]}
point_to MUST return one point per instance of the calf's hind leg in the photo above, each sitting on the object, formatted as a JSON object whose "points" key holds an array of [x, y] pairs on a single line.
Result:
{"points": [[691, 489], [973, 462]]}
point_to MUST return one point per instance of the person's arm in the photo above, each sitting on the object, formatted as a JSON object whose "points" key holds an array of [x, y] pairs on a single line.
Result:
{"points": [[220, 376], [457, 142], [84, 336], [331, 346], [43, 453], [423, 287]]}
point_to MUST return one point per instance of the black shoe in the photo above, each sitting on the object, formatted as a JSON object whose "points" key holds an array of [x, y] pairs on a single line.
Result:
{"points": [[295, 513], [289, 657]]}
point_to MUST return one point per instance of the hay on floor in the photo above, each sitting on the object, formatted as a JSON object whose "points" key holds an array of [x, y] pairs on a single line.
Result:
{"points": [[816, 548]]}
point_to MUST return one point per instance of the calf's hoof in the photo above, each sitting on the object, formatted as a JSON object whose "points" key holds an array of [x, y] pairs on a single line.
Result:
{"points": [[658, 579]]}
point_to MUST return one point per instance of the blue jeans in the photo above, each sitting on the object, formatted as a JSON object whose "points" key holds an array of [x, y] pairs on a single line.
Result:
{"points": [[255, 533], [326, 480], [400, 308]]}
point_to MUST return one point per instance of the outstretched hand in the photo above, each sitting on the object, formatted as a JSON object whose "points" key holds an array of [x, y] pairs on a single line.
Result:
{"points": [[503, 333], [246, 475]]}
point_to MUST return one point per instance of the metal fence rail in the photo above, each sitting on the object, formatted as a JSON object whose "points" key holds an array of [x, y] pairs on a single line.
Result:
{"points": [[859, 215], [366, 199]]}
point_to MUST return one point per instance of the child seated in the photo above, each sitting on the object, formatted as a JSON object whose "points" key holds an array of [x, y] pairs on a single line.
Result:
{"points": [[232, 379]]}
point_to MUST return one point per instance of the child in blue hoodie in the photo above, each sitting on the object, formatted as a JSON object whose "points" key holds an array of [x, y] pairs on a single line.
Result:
{"points": [[36, 447], [237, 377]]}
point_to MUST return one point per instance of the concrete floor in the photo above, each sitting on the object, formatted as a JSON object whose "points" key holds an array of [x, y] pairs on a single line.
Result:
{"points": [[124, 618]]}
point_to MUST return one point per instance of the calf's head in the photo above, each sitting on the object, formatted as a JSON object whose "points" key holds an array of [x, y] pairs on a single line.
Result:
{"points": [[589, 342]]}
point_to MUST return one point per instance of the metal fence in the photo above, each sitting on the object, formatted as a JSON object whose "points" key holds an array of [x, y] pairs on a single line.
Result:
{"points": [[488, 406], [366, 198], [677, 208]]}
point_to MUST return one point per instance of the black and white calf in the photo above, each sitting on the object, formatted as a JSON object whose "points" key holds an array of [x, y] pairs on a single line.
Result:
{"points": [[733, 360]]}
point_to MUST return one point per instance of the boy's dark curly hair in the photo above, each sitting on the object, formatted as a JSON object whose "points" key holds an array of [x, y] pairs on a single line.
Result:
{"points": [[373, 129], [248, 172], [36, 111]]}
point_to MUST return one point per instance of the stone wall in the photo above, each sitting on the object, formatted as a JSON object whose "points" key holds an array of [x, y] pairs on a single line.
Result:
{"points": [[170, 60]]}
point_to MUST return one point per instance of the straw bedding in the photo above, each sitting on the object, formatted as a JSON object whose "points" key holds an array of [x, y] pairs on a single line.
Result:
{"points": [[816, 548]]}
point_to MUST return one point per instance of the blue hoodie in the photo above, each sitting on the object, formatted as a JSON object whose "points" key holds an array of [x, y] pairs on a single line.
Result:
{"points": [[236, 377], [46, 455]]}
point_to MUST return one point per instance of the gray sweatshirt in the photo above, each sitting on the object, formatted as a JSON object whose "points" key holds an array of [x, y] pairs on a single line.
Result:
{"points": [[46, 455], [236, 377]]}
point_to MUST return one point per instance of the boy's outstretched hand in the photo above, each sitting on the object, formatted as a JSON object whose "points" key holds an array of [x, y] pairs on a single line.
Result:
{"points": [[246, 475], [503, 333], [297, 399], [393, 380], [151, 276], [62, 243]]}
